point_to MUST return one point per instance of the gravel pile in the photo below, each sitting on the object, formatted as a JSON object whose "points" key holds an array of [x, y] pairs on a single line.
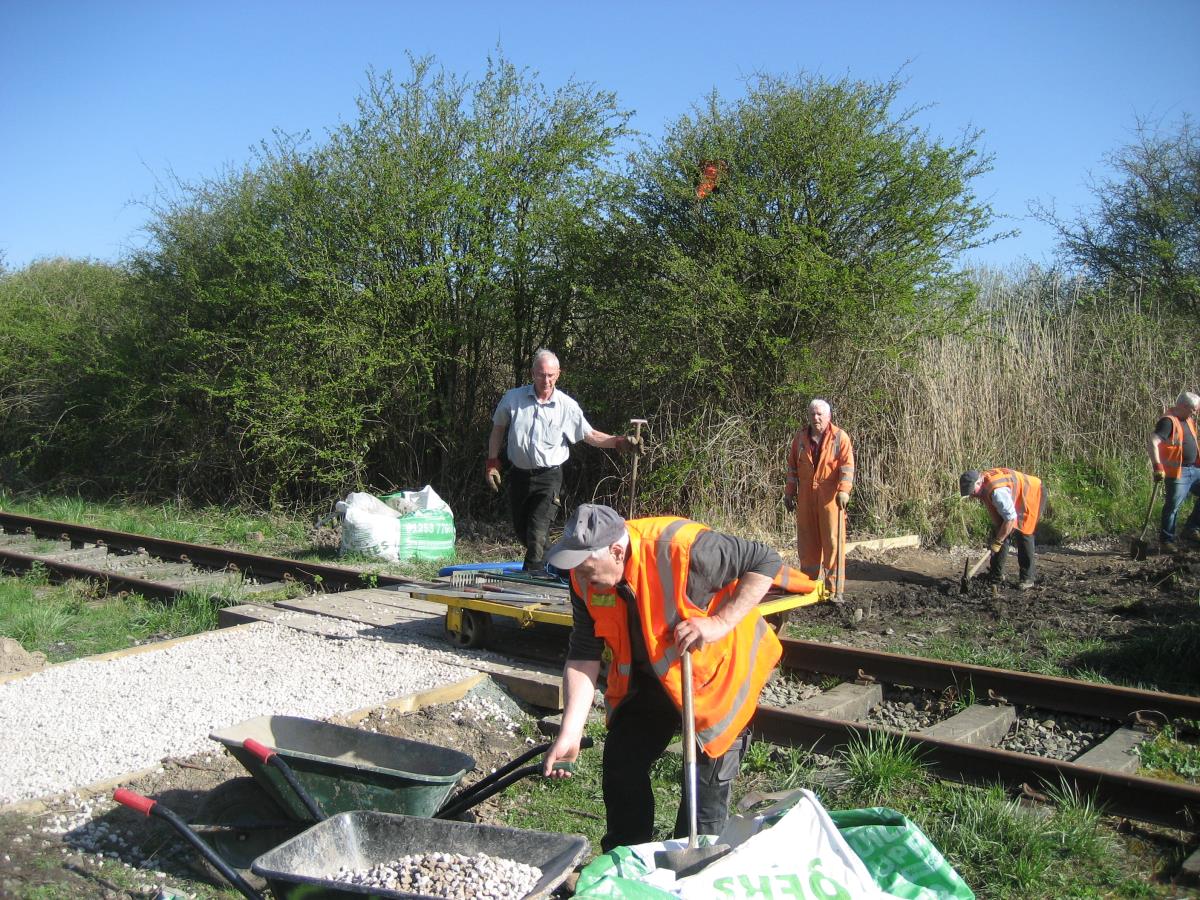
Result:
{"points": [[89, 721], [452, 875]]}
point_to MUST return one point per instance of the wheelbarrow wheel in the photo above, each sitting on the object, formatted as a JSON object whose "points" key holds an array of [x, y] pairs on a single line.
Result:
{"points": [[243, 823], [474, 629]]}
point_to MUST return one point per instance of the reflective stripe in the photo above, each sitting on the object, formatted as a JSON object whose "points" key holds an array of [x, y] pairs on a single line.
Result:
{"points": [[709, 734], [666, 576], [669, 657], [624, 669]]}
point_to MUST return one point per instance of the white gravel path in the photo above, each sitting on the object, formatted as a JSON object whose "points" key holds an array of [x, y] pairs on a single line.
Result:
{"points": [[90, 721]]}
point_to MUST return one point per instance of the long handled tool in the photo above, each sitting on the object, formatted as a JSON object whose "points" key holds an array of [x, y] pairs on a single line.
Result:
{"points": [[693, 857], [968, 574], [1138, 548], [841, 557], [637, 451]]}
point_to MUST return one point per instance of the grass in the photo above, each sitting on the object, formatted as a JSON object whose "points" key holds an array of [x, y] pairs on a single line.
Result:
{"points": [[1168, 755], [67, 621], [202, 525], [1001, 849]]}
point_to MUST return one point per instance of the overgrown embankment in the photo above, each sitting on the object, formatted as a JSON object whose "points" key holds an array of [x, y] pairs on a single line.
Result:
{"points": [[345, 313]]}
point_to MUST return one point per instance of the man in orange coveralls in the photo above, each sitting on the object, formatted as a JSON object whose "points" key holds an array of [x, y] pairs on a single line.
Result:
{"points": [[819, 480]]}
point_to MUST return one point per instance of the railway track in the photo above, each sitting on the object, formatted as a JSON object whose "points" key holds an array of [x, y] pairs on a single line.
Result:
{"points": [[159, 567], [961, 747]]}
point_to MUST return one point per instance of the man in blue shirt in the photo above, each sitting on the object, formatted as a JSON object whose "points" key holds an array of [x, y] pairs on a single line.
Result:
{"points": [[542, 423]]}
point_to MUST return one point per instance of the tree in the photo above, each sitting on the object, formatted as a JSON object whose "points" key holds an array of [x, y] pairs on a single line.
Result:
{"points": [[836, 222], [1143, 233], [345, 310]]}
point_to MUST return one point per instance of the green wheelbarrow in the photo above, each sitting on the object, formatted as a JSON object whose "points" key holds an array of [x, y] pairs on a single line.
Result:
{"points": [[305, 771]]}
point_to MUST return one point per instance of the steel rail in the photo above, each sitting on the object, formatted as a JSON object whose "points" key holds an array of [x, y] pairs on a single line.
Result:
{"points": [[271, 568], [22, 562], [1132, 796], [1084, 698]]}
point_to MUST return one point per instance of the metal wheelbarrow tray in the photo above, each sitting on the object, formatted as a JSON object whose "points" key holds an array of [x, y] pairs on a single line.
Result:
{"points": [[305, 866], [345, 769]]}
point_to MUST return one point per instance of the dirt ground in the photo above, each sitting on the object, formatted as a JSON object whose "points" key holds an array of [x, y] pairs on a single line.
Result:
{"points": [[1094, 608]]}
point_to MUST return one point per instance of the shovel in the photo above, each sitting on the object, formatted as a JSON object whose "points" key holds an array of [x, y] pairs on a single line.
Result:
{"points": [[1138, 548], [968, 574], [693, 857]]}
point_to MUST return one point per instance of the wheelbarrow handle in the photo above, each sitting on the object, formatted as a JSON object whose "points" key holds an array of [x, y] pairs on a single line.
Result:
{"points": [[148, 807], [499, 780], [269, 757]]}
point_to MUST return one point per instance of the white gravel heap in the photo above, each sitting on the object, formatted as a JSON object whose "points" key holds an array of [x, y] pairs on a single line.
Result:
{"points": [[89, 721], [455, 876]]}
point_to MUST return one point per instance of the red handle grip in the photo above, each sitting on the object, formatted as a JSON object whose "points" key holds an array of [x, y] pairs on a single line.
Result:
{"points": [[134, 801], [262, 751]]}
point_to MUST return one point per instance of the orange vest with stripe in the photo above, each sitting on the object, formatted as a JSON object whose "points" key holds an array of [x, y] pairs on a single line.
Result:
{"points": [[1026, 492], [727, 675], [1171, 451]]}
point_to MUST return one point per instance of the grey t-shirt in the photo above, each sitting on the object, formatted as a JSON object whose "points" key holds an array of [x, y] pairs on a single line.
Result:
{"points": [[716, 559], [540, 434], [1163, 430]]}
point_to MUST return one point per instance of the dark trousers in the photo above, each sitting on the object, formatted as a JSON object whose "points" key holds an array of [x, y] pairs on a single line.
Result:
{"points": [[533, 497], [642, 727], [1026, 555]]}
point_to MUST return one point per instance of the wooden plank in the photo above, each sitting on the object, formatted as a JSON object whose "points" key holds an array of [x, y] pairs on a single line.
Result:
{"points": [[355, 609], [400, 600], [535, 687], [322, 626], [888, 543]]}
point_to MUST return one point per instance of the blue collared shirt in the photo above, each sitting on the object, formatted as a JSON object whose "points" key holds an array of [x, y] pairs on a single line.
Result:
{"points": [[540, 434]]}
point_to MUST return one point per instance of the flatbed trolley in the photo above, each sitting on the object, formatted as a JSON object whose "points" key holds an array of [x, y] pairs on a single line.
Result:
{"points": [[472, 597]]}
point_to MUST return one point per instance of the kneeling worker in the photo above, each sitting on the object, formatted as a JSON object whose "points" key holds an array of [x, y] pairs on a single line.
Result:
{"points": [[1015, 501], [643, 592]]}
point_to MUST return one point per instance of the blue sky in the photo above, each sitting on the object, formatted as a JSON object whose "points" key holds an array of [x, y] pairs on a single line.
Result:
{"points": [[101, 104]]}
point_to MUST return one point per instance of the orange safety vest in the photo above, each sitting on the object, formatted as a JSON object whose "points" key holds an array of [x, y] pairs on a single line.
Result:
{"points": [[727, 675], [1171, 451], [1026, 493], [837, 453]]}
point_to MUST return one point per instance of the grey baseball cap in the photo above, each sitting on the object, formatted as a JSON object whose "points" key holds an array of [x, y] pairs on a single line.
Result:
{"points": [[966, 482], [589, 529]]}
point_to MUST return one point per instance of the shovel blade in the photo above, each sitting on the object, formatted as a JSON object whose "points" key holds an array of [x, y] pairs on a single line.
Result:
{"points": [[689, 860], [1138, 549]]}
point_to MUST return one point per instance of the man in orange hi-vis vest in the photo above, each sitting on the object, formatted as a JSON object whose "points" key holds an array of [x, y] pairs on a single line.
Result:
{"points": [[820, 476], [644, 592], [1015, 502], [1174, 456]]}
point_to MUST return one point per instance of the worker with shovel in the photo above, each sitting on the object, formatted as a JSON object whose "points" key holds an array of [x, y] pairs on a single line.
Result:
{"points": [[820, 476], [645, 592], [542, 423], [1173, 457], [1015, 502]]}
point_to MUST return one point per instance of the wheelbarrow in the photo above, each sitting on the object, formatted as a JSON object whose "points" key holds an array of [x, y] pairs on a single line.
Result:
{"points": [[305, 771], [307, 865]]}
